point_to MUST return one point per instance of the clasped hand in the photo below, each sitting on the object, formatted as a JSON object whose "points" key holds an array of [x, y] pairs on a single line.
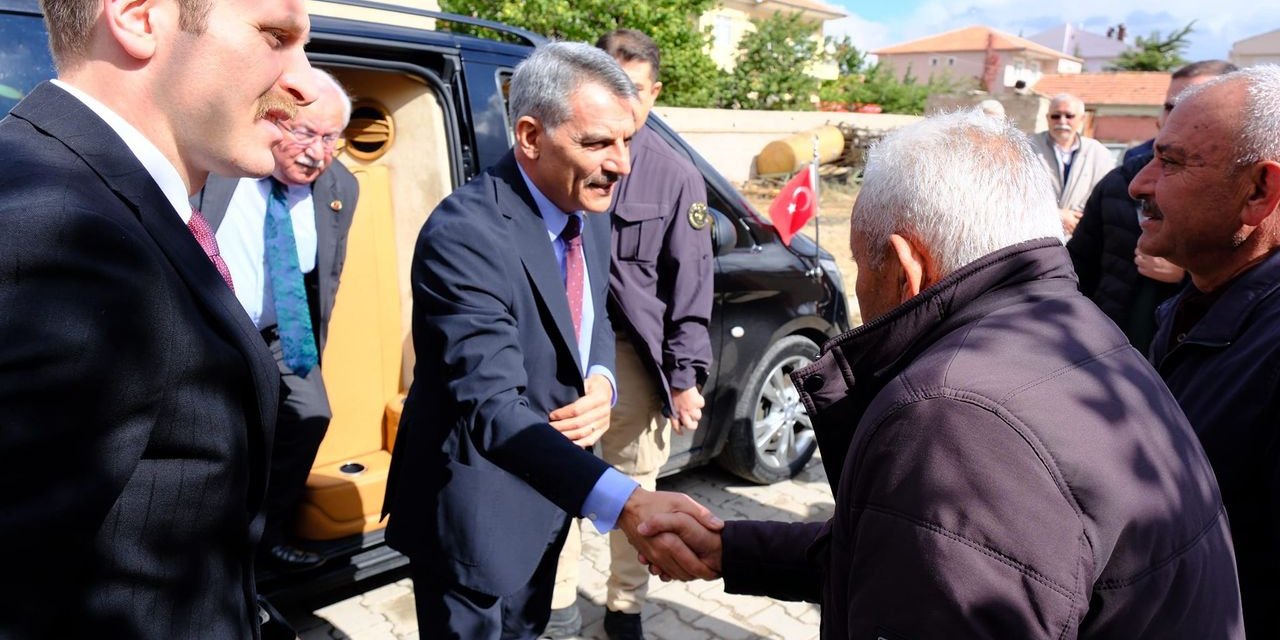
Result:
{"points": [[677, 537]]}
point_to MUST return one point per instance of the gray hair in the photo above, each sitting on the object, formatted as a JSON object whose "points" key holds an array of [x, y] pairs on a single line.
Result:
{"points": [[1067, 97], [1259, 138], [345, 98], [543, 82], [962, 184]]}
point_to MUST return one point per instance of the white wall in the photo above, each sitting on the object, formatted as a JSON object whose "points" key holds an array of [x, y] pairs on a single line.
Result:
{"points": [[730, 139]]}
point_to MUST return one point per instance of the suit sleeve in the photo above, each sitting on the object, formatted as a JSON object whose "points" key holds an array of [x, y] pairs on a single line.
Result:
{"points": [[462, 311], [81, 373], [685, 281]]}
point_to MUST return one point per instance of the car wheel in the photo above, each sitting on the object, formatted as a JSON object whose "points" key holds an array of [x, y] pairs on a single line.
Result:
{"points": [[771, 437]]}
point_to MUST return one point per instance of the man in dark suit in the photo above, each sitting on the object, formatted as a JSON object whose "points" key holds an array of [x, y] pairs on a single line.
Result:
{"points": [[138, 402], [514, 363], [284, 238]]}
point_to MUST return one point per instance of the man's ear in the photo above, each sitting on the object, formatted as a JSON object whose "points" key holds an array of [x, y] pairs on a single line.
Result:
{"points": [[657, 91], [917, 269], [529, 136], [133, 24], [1264, 192]]}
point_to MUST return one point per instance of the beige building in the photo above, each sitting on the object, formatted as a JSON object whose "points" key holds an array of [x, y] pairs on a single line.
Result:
{"points": [[996, 60], [1260, 49], [730, 20]]}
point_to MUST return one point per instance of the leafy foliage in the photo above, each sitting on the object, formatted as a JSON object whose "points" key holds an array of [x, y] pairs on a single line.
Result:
{"points": [[688, 74], [1156, 53], [848, 58], [879, 85], [770, 72]]}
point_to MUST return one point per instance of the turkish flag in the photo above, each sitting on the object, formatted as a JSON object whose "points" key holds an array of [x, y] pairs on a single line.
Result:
{"points": [[794, 206]]}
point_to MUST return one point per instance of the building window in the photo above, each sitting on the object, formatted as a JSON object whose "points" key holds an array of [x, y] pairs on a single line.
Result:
{"points": [[951, 61], [933, 62], [722, 31]]}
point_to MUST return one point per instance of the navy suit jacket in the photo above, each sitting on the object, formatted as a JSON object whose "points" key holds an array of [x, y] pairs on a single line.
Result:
{"points": [[480, 482], [137, 401], [335, 186]]}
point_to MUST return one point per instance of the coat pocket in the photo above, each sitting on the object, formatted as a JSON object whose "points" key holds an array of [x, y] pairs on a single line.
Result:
{"points": [[639, 231]]}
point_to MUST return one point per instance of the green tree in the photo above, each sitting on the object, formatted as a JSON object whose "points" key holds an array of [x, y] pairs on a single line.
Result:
{"points": [[1156, 53], [770, 70], [689, 76], [848, 58], [879, 85]]}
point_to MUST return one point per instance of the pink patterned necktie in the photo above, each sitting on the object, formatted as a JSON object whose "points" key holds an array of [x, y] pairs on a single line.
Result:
{"points": [[573, 270], [204, 235]]}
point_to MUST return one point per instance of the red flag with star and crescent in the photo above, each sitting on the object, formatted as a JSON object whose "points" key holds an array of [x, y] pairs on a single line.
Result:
{"points": [[795, 205]]}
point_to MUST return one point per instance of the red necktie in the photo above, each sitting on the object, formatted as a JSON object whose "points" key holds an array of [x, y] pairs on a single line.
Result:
{"points": [[204, 235], [573, 270]]}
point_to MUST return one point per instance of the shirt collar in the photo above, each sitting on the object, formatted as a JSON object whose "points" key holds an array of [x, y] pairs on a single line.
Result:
{"points": [[552, 216], [1075, 145], [162, 171]]}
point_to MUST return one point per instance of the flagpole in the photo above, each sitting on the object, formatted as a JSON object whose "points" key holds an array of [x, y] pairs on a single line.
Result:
{"points": [[817, 201]]}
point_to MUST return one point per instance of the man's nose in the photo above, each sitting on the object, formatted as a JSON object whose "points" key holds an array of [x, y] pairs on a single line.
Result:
{"points": [[619, 160], [298, 80], [1142, 184]]}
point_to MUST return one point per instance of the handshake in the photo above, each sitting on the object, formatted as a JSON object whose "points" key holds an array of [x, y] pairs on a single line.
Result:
{"points": [[677, 537]]}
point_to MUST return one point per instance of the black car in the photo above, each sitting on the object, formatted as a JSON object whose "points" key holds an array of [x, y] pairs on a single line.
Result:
{"points": [[429, 114]]}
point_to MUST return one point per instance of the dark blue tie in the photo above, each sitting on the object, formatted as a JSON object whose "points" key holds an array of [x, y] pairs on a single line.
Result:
{"points": [[293, 315]]}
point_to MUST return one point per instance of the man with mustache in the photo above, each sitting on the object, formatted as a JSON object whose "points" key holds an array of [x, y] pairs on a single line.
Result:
{"points": [[1075, 163], [514, 376], [138, 401], [284, 238], [1003, 463], [1125, 283], [1211, 205], [660, 282]]}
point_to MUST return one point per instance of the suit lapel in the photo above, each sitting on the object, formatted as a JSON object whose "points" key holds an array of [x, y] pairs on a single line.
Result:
{"points": [[1044, 146], [539, 259], [323, 192], [214, 199], [55, 112]]}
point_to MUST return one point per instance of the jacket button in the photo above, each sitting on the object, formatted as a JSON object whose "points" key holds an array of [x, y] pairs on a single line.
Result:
{"points": [[814, 383]]}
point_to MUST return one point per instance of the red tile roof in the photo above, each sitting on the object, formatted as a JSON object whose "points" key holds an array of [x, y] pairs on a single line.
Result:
{"points": [[972, 39], [1108, 87]]}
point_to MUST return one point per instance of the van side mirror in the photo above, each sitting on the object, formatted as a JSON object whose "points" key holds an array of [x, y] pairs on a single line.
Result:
{"points": [[724, 233]]}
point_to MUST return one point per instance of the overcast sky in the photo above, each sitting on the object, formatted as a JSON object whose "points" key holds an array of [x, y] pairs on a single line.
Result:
{"points": [[1218, 23]]}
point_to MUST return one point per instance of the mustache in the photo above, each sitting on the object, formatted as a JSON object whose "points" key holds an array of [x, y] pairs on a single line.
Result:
{"points": [[283, 106], [605, 179], [1149, 208]]}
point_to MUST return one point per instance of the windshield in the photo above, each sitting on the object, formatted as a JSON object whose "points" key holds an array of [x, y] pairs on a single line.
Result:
{"points": [[24, 57]]}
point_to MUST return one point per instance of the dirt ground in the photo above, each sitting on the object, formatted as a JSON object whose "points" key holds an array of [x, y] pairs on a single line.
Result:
{"points": [[831, 227]]}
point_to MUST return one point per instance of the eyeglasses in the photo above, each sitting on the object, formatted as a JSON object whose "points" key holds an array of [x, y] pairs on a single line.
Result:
{"points": [[1062, 116], [306, 137]]}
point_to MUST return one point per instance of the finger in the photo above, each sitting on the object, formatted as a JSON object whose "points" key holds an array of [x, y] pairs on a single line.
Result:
{"points": [[702, 514], [592, 416], [677, 559]]}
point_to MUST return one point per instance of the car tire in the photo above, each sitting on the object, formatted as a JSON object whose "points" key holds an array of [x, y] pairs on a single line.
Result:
{"points": [[771, 437]]}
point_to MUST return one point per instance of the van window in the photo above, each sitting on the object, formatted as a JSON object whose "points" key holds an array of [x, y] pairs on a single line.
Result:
{"points": [[24, 58]]}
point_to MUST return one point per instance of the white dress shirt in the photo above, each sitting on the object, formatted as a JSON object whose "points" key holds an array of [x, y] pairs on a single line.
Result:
{"points": [[241, 242], [161, 170]]}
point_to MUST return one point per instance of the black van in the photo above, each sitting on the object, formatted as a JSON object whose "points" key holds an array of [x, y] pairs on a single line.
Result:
{"points": [[429, 114]]}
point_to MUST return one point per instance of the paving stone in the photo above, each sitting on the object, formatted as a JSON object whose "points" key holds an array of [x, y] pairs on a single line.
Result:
{"points": [[675, 610]]}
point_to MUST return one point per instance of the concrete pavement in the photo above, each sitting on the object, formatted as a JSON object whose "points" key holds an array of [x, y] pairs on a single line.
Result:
{"points": [[675, 611]]}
